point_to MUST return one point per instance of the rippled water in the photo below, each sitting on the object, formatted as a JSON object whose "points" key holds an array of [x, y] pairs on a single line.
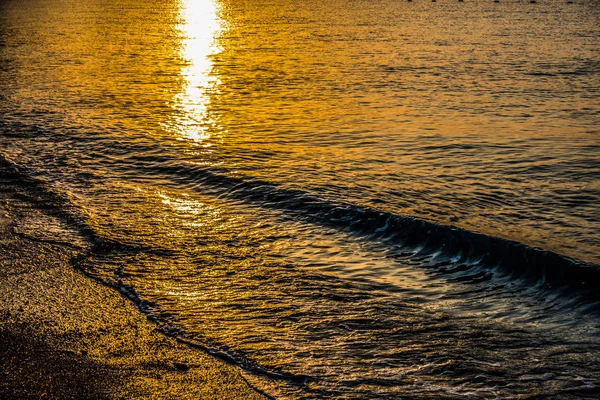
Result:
{"points": [[349, 199]]}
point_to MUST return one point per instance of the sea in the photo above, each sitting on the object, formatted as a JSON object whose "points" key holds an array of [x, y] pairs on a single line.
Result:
{"points": [[348, 199]]}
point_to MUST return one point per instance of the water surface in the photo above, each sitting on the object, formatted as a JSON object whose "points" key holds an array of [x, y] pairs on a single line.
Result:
{"points": [[348, 199]]}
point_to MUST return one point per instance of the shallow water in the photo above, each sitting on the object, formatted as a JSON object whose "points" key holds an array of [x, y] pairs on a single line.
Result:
{"points": [[348, 199]]}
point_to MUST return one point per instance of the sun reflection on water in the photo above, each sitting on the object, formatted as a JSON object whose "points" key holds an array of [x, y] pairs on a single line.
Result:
{"points": [[200, 26]]}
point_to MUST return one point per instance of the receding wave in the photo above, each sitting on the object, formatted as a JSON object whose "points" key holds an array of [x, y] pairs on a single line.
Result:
{"points": [[415, 236], [454, 249]]}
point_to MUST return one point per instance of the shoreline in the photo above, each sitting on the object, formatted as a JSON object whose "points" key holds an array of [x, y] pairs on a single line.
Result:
{"points": [[63, 335]]}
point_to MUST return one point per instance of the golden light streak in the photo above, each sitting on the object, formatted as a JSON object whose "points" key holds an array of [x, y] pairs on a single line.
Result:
{"points": [[200, 26]]}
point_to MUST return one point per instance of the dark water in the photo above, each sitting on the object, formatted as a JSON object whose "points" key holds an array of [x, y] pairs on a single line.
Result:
{"points": [[349, 199]]}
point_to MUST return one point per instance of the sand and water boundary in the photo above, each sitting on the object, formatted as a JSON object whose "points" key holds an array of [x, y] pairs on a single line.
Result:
{"points": [[63, 335]]}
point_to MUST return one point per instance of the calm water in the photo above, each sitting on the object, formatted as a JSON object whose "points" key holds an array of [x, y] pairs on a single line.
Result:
{"points": [[349, 199]]}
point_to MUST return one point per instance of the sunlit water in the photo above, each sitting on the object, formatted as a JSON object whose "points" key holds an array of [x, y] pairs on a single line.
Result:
{"points": [[349, 199]]}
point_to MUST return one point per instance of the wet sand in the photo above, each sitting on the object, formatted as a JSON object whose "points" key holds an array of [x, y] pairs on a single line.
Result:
{"points": [[62, 335]]}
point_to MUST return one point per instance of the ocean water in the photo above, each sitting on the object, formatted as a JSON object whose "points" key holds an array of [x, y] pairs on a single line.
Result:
{"points": [[348, 199]]}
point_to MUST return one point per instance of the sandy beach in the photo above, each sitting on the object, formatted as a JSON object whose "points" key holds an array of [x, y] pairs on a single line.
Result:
{"points": [[62, 335]]}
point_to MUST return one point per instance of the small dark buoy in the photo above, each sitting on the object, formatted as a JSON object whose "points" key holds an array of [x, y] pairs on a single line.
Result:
{"points": [[496, 1], [570, 2], [532, 2], [460, 1]]}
